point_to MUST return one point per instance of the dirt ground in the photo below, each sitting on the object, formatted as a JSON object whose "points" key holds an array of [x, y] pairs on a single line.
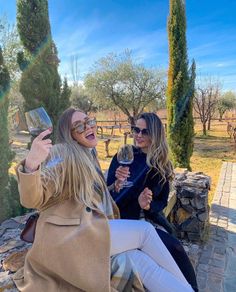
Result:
{"points": [[19, 146]]}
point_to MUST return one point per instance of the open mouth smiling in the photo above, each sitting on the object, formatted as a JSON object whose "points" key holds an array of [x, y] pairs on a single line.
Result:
{"points": [[90, 136]]}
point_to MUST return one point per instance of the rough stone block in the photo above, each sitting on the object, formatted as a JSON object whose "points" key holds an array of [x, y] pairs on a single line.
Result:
{"points": [[203, 216], [181, 215]]}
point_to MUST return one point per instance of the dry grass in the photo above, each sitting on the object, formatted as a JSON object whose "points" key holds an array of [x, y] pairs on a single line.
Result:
{"points": [[211, 150]]}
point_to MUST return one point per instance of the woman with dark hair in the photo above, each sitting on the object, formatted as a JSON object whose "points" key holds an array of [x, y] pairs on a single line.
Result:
{"points": [[151, 173], [80, 242]]}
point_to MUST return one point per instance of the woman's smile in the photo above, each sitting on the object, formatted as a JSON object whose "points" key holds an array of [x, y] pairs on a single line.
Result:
{"points": [[88, 137]]}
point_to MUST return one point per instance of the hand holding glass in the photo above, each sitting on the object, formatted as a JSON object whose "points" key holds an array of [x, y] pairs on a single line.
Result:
{"points": [[125, 157], [38, 121]]}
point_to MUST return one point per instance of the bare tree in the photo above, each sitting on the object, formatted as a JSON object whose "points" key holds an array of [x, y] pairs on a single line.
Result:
{"points": [[74, 66], [205, 102], [79, 95]]}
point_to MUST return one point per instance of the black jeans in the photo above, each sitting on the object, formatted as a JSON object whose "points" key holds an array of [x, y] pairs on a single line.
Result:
{"points": [[178, 253]]}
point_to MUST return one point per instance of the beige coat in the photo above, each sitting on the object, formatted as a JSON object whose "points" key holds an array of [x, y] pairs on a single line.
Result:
{"points": [[71, 251]]}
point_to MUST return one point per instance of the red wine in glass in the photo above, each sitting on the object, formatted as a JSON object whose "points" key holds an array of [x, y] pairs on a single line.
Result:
{"points": [[35, 132], [38, 121], [125, 157]]}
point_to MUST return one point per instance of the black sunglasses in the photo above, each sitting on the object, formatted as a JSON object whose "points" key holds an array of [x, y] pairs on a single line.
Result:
{"points": [[137, 130]]}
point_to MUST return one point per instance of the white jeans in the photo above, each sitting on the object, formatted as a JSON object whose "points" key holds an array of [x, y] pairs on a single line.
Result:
{"points": [[156, 267]]}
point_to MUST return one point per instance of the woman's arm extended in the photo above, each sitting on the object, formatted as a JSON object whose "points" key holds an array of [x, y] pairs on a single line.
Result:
{"points": [[32, 192]]}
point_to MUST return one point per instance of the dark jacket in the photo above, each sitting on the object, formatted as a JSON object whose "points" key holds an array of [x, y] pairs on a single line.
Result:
{"points": [[142, 176]]}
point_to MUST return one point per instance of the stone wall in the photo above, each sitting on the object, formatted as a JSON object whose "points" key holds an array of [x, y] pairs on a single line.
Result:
{"points": [[12, 251], [190, 214]]}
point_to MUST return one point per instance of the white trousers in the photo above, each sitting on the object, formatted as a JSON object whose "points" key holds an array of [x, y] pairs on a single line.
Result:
{"points": [[156, 267]]}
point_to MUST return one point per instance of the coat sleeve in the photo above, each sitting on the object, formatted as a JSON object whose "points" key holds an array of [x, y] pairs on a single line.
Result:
{"points": [[111, 178], [123, 197], [33, 194], [111, 171], [160, 195]]}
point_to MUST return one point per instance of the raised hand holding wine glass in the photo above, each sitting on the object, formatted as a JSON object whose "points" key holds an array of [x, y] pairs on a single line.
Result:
{"points": [[39, 126], [39, 151], [38, 121], [125, 157]]}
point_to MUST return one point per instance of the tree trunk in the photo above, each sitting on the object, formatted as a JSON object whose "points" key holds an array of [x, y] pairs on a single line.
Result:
{"points": [[131, 120], [209, 124], [204, 129]]}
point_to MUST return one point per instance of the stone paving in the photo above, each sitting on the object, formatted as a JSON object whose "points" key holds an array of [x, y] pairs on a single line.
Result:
{"points": [[216, 264]]}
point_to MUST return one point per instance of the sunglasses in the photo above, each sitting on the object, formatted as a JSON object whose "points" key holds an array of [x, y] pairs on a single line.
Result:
{"points": [[136, 130], [80, 127]]}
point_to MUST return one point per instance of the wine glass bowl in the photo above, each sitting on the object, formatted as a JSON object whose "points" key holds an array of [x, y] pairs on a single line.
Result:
{"points": [[37, 121], [125, 157]]}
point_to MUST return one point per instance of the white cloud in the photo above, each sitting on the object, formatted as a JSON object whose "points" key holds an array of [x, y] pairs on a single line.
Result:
{"points": [[144, 46]]}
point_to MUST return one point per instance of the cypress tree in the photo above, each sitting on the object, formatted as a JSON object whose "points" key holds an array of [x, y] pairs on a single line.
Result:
{"points": [[40, 82], [65, 95], [180, 90], [5, 152]]}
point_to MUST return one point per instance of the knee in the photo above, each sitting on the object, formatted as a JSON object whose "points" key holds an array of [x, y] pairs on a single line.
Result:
{"points": [[149, 228]]}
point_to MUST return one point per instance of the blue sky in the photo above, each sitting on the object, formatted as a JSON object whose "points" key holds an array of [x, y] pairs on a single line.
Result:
{"points": [[91, 29]]}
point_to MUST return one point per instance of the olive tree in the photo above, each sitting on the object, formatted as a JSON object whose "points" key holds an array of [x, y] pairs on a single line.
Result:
{"points": [[131, 87]]}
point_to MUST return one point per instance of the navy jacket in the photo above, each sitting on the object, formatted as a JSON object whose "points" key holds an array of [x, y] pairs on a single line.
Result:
{"points": [[127, 198]]}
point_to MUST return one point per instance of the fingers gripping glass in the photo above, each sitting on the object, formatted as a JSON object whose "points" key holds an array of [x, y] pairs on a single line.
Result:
{"points": [[80, 127], [137, 130], [125, 156], [37, 121]]}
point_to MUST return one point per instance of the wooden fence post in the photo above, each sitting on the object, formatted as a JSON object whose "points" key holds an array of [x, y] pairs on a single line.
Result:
{"points": [[107, 142], [229, 129], [100, 128], [125, 137]]}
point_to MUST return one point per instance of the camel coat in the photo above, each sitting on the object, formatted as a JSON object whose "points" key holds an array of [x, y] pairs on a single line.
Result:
{"points": [[71, 250]]}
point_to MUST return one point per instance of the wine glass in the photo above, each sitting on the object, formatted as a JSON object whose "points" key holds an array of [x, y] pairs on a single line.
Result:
{"points": [[38, 121], [125, 156]]}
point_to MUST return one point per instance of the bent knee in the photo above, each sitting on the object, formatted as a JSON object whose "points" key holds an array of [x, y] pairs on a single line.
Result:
{"points": [[148, 227]]}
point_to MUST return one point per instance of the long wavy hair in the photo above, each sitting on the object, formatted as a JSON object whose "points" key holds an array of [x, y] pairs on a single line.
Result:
{"points": [[157, 156], [64, 125], [73, 176], [70, 167]]}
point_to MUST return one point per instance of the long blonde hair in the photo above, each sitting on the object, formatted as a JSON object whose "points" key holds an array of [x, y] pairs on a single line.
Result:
{"points": [[157, 156], [74, 176]]}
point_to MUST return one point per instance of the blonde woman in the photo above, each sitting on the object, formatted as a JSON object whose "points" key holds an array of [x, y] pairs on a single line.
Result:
{"points": [[76, 235], [151, 173]]}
